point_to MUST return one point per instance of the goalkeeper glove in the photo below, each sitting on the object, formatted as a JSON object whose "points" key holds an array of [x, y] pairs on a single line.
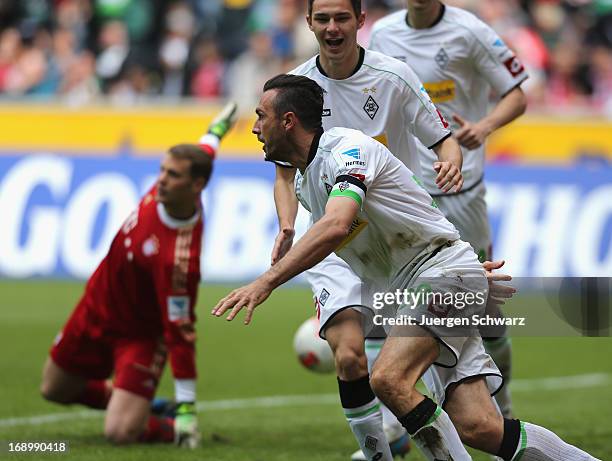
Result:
{"points": [[224, 120]]}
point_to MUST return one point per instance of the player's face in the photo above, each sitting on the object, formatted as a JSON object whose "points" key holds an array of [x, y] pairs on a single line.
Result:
{"points": [[268, 128], [175, 186], [335, 26]]}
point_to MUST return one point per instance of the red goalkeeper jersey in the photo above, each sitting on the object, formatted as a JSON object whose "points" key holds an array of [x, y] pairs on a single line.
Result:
{"points": [[146, 286]]}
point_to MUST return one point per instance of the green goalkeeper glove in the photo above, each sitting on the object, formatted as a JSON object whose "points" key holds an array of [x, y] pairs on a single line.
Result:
{"points": [[224, 120]]}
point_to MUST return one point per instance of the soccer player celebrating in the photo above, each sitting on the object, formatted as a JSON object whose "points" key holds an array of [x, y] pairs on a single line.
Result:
{"points": [[460, 59], [373, 188], [138, 306], [383, 98]]}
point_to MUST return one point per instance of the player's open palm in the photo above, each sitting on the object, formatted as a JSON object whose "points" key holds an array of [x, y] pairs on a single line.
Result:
{"points": [[469, 135], [247, 297]]}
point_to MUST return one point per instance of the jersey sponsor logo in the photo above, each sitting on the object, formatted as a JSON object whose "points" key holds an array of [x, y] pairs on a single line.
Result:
{"points": [[178, 308], [442, 58], [498, 43], [353, 153], [150, 246], [514, 66], [355, 163], [371, 107], [357, 226], [323, 297], [326, 113], [441, 91]]}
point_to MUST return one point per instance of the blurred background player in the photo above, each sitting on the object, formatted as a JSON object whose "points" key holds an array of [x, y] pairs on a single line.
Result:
{"points": [[138, 307], [382, 97], [460, 60]]}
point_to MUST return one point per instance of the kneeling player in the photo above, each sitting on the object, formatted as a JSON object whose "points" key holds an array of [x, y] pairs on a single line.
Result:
{"points": [[139, 305]]}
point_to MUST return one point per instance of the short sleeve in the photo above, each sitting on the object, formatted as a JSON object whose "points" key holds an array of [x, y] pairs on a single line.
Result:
{"points": [[354, 168], [494, 60]]}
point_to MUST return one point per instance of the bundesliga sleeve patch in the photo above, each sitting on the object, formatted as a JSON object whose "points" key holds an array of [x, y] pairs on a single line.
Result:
{"points": [[351, 187], [514, 66]]}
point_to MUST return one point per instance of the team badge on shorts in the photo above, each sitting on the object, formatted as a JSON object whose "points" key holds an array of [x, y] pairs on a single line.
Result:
{"points": [[323, 297], [178, 308]]}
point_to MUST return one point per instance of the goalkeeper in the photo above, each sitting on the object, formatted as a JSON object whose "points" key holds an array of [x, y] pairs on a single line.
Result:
{"points": [[138, 308]]}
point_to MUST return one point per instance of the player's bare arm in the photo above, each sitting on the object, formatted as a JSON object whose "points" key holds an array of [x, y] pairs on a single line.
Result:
{"points": [[286, 210], [320, 241], [473, 134], [448, 166]]}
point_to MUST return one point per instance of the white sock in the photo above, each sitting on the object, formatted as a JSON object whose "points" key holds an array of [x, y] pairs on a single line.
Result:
{"points": [[366, 424], [500, 351], [433, 432], [537, 443]]}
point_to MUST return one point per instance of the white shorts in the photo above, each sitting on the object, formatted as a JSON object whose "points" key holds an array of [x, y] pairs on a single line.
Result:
{"points": [[335, 287], [468, 213], [452, 270], [472, 361]]}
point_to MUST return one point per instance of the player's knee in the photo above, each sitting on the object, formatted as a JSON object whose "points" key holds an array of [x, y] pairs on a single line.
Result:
{"points": [[350, 363], [122, 434], [384, 383], [481, 430], [49, 391]]}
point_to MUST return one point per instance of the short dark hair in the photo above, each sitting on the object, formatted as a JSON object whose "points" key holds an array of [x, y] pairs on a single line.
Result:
{"points": [[201, 162], [300, 95], [356, 4]]}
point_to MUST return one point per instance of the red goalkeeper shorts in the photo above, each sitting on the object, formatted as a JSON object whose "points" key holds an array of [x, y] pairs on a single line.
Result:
{"points": [[136, 364]]}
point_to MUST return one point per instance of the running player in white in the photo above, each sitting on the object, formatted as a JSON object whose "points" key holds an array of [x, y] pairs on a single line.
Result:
{"points": [[382, 97], [460, 59], [372, 187]]}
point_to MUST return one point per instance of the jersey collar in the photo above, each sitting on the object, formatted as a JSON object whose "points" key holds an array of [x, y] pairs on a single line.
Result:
{"points": [[174, 223], [433, 24], [355, 70], [314, 146]]}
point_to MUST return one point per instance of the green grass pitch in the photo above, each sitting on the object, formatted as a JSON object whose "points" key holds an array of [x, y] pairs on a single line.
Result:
{"points": [[247, 363]]}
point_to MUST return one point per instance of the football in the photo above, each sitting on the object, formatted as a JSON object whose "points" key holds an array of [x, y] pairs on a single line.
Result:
{"points": [[312, 351]]}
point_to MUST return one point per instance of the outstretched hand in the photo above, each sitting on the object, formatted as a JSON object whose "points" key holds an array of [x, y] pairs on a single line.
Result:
{"points": [[498, 293], [249, 296]]}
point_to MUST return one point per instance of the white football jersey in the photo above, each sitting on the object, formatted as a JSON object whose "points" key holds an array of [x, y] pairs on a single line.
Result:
{"points": [[398, 220], [383, 98], [458, 59]]}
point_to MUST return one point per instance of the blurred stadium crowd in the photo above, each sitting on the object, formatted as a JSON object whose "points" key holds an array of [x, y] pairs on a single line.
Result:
{"points": [[130, 50]]}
